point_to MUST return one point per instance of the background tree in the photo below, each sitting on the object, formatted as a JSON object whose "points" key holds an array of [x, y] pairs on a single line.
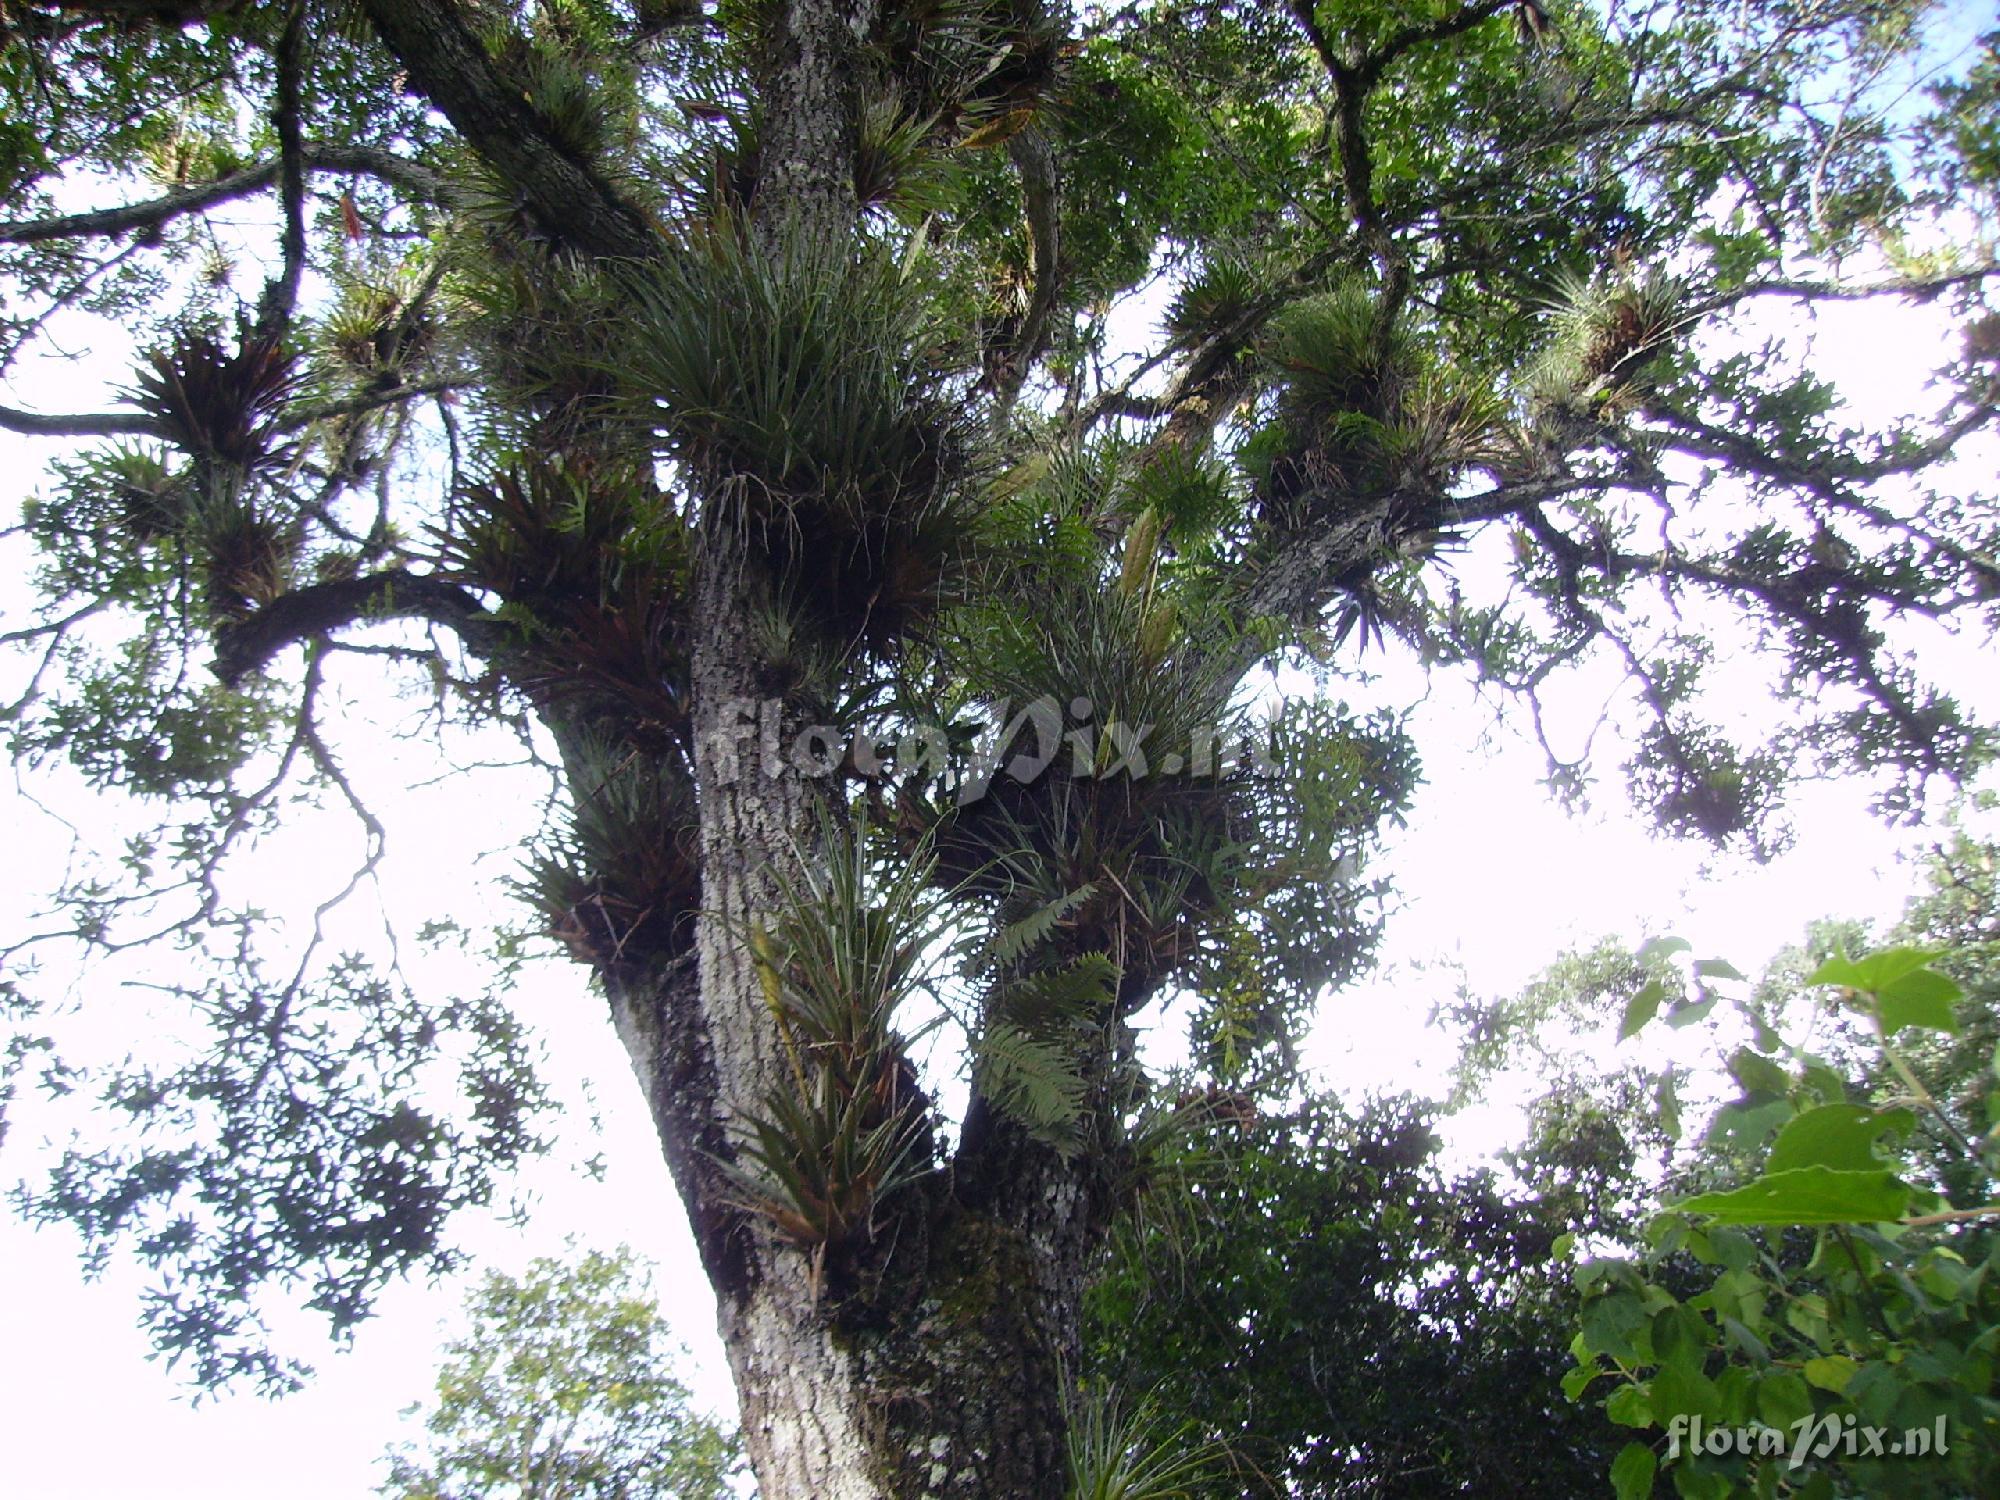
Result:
{"points": [[564, 1386], [668, 380], [1343, 1316]]}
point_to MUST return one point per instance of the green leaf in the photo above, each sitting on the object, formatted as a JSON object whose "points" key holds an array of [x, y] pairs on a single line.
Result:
{"points": [[1666, 1099], [1808, 1195], [1628, 1406], [1783, 1400], [1716, 968], [1831, 1372], [1576, 1381], [1641, 1008], [1746, 1125], [1680, 1336], [1688, 1015], [1841, 1136], [1609, 1323], [1632, 1472], [1873, 973], [1924, 998], [1661, 948], [1758, 1074], [1677, 1391]]}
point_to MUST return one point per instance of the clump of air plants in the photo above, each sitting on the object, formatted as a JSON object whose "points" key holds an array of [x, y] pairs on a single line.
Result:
{"points": [[982, 72], [811, 386], [1215, 299], [898, 165], [220, 405], [1120, 1452], [247, 555], [1103, 678], [544, 532], [180, 151], [847, 1127], [591, 560], [621, 887], [151, 497], [1607, 331], [549, 334], [1363, 410], [381, 329], [1150, 818], [1695, 783]]}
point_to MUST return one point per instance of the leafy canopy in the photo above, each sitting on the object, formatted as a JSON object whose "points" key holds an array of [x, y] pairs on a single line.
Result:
{"points": [[466, 339]]}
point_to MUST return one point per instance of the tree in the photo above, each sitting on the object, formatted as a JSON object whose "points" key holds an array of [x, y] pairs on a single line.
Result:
{"points": [[1341, 1316], [564, 1386], [723, 394]]}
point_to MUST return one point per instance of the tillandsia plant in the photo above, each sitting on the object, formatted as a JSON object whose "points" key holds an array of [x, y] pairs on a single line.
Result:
{"points": [[1823, 1320]]}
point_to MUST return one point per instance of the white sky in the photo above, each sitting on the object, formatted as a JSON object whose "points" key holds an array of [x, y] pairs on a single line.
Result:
{"points": [[1492, 877]]}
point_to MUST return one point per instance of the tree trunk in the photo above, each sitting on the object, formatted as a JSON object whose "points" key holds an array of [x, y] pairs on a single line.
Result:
{"points": [[935, 1368]]}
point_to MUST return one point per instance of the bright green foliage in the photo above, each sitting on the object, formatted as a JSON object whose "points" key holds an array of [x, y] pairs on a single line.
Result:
{"points": [[844, 1131], [1834, 1291], [564, 1387]]}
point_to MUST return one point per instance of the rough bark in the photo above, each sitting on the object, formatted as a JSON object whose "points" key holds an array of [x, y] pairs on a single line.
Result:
{"points": [[935, 1371]]}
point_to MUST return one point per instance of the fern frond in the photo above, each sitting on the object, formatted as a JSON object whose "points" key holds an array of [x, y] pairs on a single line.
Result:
{"points": [[1033, 1080], [1016, 940]]}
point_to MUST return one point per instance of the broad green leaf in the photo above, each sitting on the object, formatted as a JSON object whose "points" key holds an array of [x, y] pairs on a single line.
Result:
{"points": [[1632, 1472], [1700, 1484], [1746, 1126], [1680, 1336], [1609, 1323], [1660, 948], [1841, 1136], [1830, 1372], [1783, 1399], [1641, 1008], [1716, 968], [1676, 1391], [1576, 1381], [1628, 1406], [1667, 1099], [1745, 1339], [1808, 1195], [1758, 1074], [1688, 1015], [1873, 973], [1924, 998]]}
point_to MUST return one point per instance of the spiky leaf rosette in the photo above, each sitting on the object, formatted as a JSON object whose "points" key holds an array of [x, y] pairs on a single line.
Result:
{"points": [[622, 884], [220, 405], [1363, 410], [811, 382], [247, 550], [848, 1129]]}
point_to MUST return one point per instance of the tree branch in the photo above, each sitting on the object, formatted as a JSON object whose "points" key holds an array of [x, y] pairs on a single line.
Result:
{"points": [[1918, 288], [281, 292], [138, 424], [1425, 34], [358, 161], [1036, 162], [449, 65], [77, 424], [244, 646]]}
